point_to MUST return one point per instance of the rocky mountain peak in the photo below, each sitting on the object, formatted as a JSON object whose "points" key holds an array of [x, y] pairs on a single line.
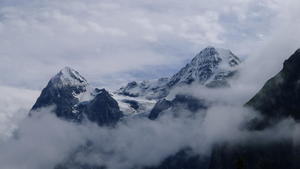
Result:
{"points": [[75, 100]]}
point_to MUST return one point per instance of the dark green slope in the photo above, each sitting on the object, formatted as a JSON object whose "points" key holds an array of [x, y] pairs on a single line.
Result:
{"points": [[279, 98]]}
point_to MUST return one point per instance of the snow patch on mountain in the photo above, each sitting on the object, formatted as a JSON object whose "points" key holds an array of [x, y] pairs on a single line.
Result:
{"points": [[133, 106], [148, 89], [87, 95]]}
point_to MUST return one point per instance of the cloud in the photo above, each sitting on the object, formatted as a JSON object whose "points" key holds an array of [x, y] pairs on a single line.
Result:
{"points": [[136, 142], [50, 141], [14, 106], [39, 143], [104, 38]]}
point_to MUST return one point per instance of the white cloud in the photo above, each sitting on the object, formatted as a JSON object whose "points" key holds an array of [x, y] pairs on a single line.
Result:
{"points": [[104, 38], [14, 106], [134, 143], [202, 28]]}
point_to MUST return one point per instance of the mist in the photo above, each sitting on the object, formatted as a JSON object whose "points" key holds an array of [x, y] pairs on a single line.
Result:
{"points": [[43, 140]]}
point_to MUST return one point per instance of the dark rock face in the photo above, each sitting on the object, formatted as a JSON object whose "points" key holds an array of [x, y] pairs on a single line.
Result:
{"points": [[180, 102], [64, 90], [61, 98], [160, 106], [76, 165], [253, 156], [280, 96], [189, 102], [60, 92], [103, 109], [184, 159], [278, 99], [133, 103]]}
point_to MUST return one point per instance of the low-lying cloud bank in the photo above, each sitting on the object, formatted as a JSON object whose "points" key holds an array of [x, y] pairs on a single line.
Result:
{"points": [[42, 141]]}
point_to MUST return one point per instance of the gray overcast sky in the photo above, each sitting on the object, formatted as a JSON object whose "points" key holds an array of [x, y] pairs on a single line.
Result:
{"points": [[113, 42]]}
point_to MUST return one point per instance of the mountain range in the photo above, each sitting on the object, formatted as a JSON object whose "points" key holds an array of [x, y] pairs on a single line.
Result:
{"points": [[73, 99]]}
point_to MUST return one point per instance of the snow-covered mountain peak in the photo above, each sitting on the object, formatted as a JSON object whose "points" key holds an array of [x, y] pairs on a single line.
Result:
{"points": [[216, 55], [211, 64], [68, 77], [212, 67]]}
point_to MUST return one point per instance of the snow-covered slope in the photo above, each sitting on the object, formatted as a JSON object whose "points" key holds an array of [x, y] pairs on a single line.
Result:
{"points": [[148, 89], [212, 67], [133, 106], [140, 97], [68, 77]]}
